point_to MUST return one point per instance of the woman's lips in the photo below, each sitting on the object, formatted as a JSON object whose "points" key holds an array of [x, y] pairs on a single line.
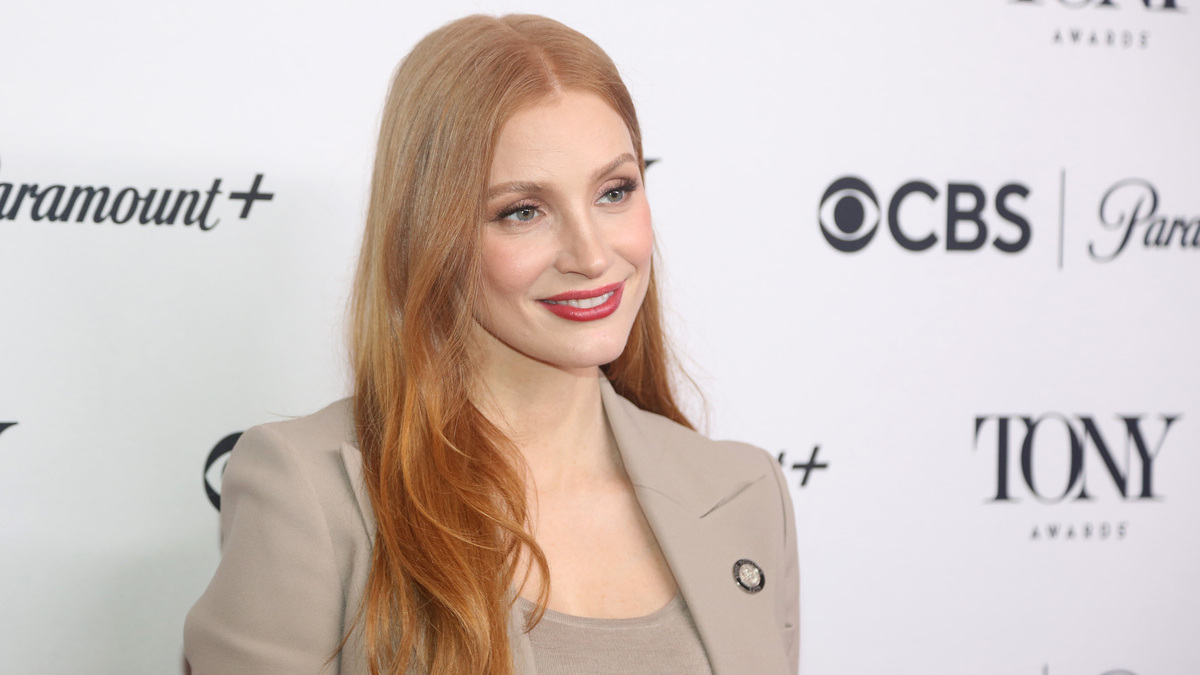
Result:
{"points": [[587, 305]]}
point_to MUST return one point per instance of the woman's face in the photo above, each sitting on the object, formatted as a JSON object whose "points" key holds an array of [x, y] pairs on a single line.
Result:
{"points": [[566, 239]]}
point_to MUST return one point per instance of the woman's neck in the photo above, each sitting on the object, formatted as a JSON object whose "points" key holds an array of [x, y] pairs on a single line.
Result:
{"points": [[554, 417]]}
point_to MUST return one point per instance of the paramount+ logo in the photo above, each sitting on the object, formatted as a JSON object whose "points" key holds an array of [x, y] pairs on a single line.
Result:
{"points": [[918, 216], [59, 202]]}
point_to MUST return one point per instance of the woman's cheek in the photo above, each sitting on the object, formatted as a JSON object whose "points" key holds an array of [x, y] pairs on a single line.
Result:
{"points": [[509, 265], [640, 244]]}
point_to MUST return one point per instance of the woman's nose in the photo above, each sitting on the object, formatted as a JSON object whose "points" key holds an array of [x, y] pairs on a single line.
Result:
{"points": [[584, 249]]}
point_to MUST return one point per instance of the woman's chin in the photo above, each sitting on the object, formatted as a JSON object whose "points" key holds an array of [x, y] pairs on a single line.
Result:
{"points": [[590, 357]]}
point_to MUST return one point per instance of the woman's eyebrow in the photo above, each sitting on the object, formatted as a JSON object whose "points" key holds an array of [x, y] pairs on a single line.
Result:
{"points": [[621, 159], [514, 186], [531, 187]]}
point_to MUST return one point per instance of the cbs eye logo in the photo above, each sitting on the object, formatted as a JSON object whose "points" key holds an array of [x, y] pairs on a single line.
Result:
{"points": [[214, 468], [846, 208], [850, 215]]}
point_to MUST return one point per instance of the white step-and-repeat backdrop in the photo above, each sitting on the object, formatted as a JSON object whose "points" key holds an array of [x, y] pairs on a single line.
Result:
{"points": [[941, 257]]}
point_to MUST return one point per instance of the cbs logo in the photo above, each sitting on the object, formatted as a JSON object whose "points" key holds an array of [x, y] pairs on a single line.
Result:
{"points": [[850, 214], [214, 467]]}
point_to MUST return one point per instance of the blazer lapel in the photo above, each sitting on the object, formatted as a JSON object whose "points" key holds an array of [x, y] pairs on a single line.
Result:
{"points": [[352, 459], [684, 501]]}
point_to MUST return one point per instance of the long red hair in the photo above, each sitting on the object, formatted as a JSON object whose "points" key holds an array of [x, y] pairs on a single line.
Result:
{"points": [[446, 486]]}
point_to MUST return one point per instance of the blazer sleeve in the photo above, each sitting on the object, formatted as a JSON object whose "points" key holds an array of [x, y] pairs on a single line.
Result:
{"points": [[788, 600], [275, 604]]}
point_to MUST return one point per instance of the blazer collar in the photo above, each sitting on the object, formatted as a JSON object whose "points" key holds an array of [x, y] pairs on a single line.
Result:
{"points": [[665, 458]]}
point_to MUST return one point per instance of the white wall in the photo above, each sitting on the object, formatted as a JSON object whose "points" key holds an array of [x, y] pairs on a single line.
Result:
{"points": [[127, 352]]}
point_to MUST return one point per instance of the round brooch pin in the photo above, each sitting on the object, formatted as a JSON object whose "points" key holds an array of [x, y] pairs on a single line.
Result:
{"points": [[749, 576]]}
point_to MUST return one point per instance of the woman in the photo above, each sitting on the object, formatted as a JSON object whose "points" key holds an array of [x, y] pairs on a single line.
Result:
{"points": [[512, 488]]}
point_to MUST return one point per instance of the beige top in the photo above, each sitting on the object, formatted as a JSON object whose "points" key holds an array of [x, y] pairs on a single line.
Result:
{"points": [[664, 642]]}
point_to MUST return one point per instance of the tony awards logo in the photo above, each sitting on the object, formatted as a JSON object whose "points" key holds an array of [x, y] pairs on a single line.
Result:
{"points": [[1054, 458]]}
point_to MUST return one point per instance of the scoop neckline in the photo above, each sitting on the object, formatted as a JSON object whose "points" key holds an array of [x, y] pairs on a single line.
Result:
{"points": [[672, 607]]}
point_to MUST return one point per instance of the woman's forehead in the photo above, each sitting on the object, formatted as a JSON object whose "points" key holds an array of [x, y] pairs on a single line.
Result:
{"points": [[573, 132]]}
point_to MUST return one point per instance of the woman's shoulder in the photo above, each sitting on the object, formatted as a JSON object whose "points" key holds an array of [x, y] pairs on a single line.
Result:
{"points": [[691, 445], [324, 430], [698, 445], [654, 444], [315, 455], [294, 551]]}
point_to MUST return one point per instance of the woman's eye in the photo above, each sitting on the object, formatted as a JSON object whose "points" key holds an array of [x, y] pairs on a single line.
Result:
{"points": [[522, 214], [614, 196]]}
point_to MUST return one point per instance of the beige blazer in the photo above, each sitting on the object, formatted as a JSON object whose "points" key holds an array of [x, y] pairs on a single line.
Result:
{"points": [[297, 526]]}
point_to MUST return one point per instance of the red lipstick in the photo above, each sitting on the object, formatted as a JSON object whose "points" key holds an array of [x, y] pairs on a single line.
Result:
{"points": [[567, 305]]}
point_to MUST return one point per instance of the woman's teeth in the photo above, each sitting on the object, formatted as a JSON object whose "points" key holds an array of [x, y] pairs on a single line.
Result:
{"points": [[584, 303]]}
